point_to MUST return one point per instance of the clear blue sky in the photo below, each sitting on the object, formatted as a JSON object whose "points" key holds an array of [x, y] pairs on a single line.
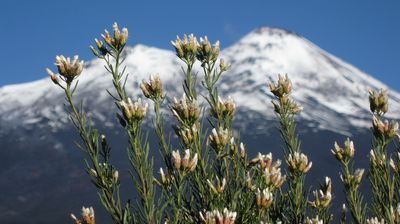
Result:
{"points": [[365, 33]]}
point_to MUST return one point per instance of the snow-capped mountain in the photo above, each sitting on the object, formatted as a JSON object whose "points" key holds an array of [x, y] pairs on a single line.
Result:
{"points": [[35, 133], [334, 94]]}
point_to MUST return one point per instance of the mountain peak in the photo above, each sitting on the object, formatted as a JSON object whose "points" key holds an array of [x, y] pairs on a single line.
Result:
{"points": [[333, 92], [266, 30]]}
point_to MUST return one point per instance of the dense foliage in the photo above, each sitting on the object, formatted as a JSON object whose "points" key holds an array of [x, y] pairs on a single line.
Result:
{"points": [[208, 177]]}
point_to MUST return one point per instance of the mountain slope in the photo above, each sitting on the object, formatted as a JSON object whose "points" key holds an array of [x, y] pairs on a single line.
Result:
{"points": [[42, 167], [332, 92]]}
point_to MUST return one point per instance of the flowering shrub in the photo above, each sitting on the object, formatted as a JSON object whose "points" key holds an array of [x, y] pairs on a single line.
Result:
{"points": [[208, 177]]}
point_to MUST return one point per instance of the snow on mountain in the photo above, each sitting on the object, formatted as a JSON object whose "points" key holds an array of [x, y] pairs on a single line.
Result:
{"points": [[334, 94]]}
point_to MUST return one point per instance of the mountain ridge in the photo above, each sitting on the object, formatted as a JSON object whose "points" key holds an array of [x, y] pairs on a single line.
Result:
{"points": [[256, 59], [42, 167]]}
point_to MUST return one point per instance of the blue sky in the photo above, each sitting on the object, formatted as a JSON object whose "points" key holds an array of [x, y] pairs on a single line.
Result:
{"points": [[365, 33]]}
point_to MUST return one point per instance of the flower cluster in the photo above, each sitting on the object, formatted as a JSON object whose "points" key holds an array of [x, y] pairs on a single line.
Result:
{"points": [[185, 163], [206, 52], [282, 88], [225, 109], [298, 162], [385, 128], [271, 171], [186, 49], [218, 187], [68, 69], [315, 220], [152, 89], [324, 199], [114, 43], [375, 220], [273, 176], [186, 110], [219, 139], [87, 216], [264, 198], [352, 181], [377, 159], [189, 49], [263, 161], [395, 213], [133, 111], [216, 217], [378, 101], [346, 153], [188, 135]]}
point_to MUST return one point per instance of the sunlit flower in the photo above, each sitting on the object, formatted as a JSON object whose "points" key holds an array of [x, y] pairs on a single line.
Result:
{"points": [[315, 220], [224, 109], [282, 87], [68, 69], [346, 153], [353, 180], [185, 110], [185, 163], [206, 52], [324, 198], [264, 198], [216, 217], [378, 101], [152, 89], [375, 220], [298, 162], [385, 128], [133, 111], [219, 139], [87, 216], [186, 49], [218, 187]]}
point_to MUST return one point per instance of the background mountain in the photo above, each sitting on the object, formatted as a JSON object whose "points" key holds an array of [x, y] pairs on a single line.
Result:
{"points": [[41, 174]]}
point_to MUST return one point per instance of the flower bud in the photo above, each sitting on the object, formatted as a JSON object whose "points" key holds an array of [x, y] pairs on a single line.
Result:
{"points": [[264, 198], [216, 217], [225, 109], [395, 164], [298, 162], [385, 128], [117, 42], [152, 89], [133, 111], [187, 163], [346, 153], [219, 186], [219, 139], [377, 159], [207, 53], [87, 216], [325, 198], [165, 178], [186, 49], [395, 213], [116, 176], [186, 111], [67, 69], [378, 101], [315, 220], [375, 220], [223, 66], [282, 88], [353, 180], [242, 150]]}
